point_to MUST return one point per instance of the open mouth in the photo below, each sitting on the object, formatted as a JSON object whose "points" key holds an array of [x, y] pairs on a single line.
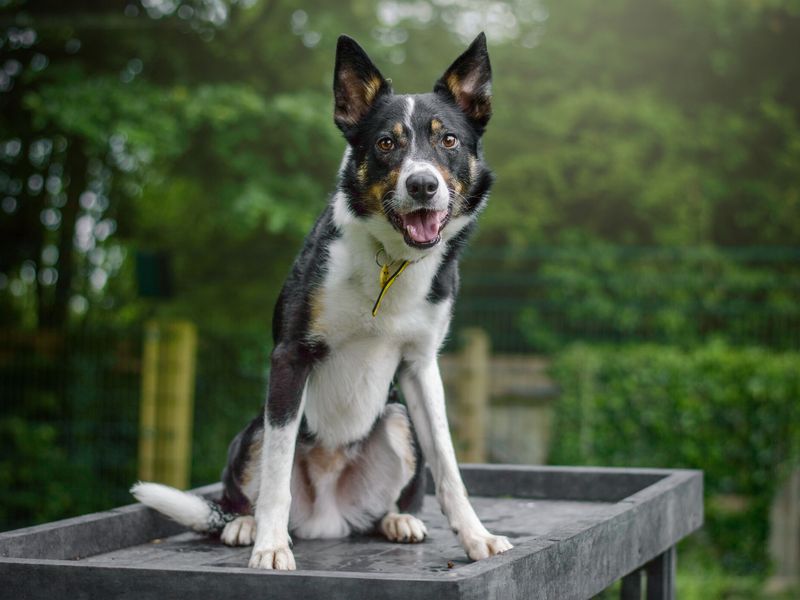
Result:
{"points": [[422, 228]]}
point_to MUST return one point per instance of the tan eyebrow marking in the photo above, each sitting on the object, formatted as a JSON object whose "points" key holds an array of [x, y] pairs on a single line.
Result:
{"points": [[398, 129], [436, 126]]}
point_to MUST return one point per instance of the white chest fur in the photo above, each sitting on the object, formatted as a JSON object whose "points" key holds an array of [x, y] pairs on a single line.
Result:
{"points": [[348, 389]]}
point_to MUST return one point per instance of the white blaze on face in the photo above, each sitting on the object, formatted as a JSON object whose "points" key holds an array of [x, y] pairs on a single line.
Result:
{"points": [[407, 120]]}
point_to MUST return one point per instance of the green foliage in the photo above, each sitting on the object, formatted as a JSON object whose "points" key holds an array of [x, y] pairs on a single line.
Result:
{"points": [[731, 412], [92, 109], [675, 295], [35, 473], [273, 158], [605, 163], [713, 583], [648, 122], [639, 122], [68, 430], [543, 298], [230, 391]]}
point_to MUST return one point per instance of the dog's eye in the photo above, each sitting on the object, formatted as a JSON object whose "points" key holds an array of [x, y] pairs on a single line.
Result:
{"points": [[449, 141], [385, 144]]}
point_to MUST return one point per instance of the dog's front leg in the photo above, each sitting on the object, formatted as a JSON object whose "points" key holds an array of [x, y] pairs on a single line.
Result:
{"points": [[285, 400], [422, 388]]}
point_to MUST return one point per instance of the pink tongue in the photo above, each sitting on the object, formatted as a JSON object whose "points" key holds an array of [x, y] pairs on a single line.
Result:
{"points": [[423, 225]]}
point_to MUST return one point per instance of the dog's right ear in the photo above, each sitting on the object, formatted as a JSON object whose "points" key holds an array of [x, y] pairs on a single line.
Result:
{"points": [[357, 84]]}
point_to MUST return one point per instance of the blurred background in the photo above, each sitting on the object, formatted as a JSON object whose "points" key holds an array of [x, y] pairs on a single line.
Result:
{"points": [[632, 297]]}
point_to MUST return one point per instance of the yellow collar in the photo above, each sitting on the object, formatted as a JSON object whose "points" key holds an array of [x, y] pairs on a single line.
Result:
{"points": [[386, 279]]}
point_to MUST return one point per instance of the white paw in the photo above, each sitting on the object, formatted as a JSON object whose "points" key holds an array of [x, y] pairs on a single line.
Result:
{"points": [[279, 558], [239, 532], [482, 545], [403, 528]]}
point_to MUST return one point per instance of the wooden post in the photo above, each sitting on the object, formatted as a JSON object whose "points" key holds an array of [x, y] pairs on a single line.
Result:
{"points": [[473, 395], [784, 535], [167, 402]]}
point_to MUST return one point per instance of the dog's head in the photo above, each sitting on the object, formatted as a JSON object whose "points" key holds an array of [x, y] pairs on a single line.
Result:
{"points": [[414, 169]]}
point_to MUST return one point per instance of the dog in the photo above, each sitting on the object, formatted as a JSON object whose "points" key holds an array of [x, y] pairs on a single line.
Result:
{"points": [[368, 303]]}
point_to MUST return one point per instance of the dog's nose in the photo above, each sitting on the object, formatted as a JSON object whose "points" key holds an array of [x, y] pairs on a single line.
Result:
{"points": [[422, 186]]}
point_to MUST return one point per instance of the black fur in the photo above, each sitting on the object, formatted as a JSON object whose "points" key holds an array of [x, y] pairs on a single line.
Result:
{"points": [[412, 496], [218, 517], [291, 364], [304, 434], [290, 320], [366, 110], [446, 280], [295, 353], [239, 454]]}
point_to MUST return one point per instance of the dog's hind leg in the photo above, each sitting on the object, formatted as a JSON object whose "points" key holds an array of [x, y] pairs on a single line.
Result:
{"points": [[240, 484], [239, 532], [403, 528], [374, 488]]}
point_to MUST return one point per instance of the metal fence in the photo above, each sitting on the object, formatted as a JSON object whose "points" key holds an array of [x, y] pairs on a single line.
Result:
{"points": [[68, 429], [69, 416]]}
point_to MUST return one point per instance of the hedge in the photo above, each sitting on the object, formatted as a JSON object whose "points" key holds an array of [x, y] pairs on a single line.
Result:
{"points": [[732, 412]]}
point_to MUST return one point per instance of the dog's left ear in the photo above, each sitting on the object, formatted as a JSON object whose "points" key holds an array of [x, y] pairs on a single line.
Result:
{"points": [[357, 84], [468, 82]]}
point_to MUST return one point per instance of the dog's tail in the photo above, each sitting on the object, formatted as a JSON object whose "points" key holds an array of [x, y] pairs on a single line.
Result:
{"points": [[190, 510]]}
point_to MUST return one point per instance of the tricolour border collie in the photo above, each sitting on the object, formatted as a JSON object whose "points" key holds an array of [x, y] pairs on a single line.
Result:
{"points": [[368, 302]]}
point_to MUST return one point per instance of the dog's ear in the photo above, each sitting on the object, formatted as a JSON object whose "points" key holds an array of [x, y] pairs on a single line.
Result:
{"points": [[357, 84], [468, 82]]}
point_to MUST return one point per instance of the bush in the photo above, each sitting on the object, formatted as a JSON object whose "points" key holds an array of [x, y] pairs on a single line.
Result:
{"points": [[679, 296], [543, 298], [732, 412]]}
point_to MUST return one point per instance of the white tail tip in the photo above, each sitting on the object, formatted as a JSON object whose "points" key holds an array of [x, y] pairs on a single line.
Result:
{"points": [[185, 508]]}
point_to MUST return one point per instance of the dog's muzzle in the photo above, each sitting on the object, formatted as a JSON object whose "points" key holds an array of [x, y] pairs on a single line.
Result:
{"points": [[422, 208]]}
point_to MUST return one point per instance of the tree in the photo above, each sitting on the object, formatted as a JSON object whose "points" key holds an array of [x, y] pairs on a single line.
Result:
{"points": [[203, 127]]}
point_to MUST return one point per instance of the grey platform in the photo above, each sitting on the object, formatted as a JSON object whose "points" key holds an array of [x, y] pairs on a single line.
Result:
{"points": [[575, 531]]}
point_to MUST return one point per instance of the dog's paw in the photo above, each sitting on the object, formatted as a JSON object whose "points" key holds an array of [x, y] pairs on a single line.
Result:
{"points": [[484, 544], [279, 558], [239, 532], [403, 528]]}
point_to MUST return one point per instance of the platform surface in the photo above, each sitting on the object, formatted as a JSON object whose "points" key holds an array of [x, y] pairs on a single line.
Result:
{"points": [[575, 531], [521, 520]]}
